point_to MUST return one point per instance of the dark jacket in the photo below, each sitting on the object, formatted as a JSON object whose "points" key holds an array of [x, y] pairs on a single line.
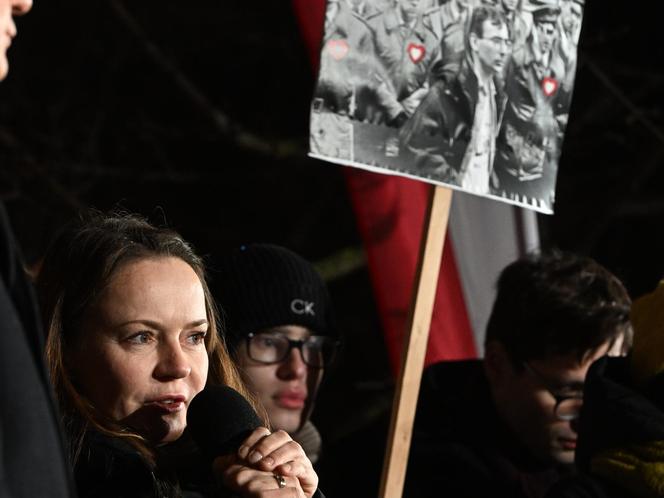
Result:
{"points": [[439, 131], [461, 448], [112, 468], [351, 81], [615, 416], [394, 43], [531, 132], [32, 461]]}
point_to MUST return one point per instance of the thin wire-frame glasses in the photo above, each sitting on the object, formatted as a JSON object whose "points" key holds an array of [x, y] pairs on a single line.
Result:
{"points": [[568, 406]]}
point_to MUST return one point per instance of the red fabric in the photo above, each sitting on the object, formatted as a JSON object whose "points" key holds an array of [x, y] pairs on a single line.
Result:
{"points": [[390, 212]]}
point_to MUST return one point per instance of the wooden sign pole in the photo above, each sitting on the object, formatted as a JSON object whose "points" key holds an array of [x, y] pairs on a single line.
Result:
{"points": [[415, 344]]}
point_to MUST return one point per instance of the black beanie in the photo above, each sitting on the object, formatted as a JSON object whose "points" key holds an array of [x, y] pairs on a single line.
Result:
{"points": [[259, 286]]}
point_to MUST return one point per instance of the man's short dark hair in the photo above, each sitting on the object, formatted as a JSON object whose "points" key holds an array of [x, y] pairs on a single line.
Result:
{"points": [[557, 303], [485, 13]]}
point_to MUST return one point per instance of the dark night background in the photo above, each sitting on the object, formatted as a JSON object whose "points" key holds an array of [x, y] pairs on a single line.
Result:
{"points": [[197, 113]]}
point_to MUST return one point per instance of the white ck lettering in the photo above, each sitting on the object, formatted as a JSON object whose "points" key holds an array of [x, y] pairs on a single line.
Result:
{"points": [[302, 307]]}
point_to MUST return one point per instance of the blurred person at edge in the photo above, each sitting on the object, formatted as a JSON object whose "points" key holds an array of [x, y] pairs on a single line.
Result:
{"points": [[506, 425], [33, 461], [621, 427], [132, 339], [280, 331]]}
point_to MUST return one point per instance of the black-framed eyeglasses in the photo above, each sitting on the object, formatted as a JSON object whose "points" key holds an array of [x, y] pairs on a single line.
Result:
{"points": [[568, 406], [274, 347]]}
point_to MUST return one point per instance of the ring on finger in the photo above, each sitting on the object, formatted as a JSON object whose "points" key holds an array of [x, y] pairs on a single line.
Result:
{"points": [[281, 481]]}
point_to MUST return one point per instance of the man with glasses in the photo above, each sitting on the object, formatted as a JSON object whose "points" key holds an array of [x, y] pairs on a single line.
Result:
{"points": [[279, 328], [453, 133], [507, 425]]}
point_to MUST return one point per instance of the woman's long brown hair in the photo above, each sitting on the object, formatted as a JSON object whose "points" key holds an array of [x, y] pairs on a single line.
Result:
{"points": [[79, 264]]}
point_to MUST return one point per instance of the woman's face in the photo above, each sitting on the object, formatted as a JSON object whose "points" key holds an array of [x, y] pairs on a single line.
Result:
{"points": [[283, 388], [140, 355]]}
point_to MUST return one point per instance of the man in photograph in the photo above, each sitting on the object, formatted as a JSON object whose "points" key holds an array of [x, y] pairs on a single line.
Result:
{"points": [[365, 9], [538, 85], [450, 22], [452, 134], [516, 21], [352, 83], [407, 47]]}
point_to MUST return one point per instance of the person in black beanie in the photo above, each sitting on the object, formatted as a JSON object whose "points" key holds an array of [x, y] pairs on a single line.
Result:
{"points": [[280, 329]]}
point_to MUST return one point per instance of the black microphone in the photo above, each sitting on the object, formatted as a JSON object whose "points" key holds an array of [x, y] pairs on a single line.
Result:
{"points": [[219, 419]]}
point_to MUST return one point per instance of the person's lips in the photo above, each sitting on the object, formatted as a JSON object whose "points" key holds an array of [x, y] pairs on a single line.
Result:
{"points": [[568, 444], [293, 400], [168, 403]]}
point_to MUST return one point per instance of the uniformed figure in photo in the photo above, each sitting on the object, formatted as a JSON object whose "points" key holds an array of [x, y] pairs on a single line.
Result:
{"points": [[538, 85], [352, 82], [450, 22], [518, 22], [453, 133], [570, 17], [367, 9], [407, 46]]}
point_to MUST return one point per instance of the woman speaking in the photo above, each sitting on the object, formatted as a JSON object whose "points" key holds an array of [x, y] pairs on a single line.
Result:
{"points": [[132, 339]]}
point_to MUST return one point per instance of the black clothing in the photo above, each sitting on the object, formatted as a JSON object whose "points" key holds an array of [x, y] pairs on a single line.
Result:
{"points": [[32, 459], [109, 467], [461, 447], [440, 130], [112, 468], [614, 416]]}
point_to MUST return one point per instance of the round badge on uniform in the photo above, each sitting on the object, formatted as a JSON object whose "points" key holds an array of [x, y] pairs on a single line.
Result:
{"points": [[338, 49], [416, 52], [549, 86]]}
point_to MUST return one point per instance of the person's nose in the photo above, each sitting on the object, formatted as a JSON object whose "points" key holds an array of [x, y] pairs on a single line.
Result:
{"points": [[173, 362], [20, 7], [293, 367]]}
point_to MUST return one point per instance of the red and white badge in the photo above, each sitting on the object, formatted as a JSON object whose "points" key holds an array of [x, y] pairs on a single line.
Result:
{"points": [[549, 86], [416, 52], [338, 49]]}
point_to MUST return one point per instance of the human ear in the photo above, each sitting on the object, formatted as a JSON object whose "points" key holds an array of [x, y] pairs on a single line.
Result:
{"points": [[472, 40]]}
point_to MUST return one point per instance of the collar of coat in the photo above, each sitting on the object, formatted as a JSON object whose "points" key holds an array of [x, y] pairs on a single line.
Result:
{"points": [[394, 21]]}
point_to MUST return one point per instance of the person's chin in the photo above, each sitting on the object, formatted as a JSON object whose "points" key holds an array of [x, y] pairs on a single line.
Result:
{"points": [[170, 429], [564, 457], [563, 452], [286, 420], [4, 67], [156, 426]]}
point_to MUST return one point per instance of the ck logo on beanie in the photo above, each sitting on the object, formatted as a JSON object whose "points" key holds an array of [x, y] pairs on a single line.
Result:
{"points": [[302, 307]]}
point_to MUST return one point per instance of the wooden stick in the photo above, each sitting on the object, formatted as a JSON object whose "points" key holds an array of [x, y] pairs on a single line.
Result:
{"points": [[415, 344]]}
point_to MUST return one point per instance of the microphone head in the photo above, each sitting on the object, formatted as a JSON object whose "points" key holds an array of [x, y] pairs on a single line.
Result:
{"points": [[219, 419]]}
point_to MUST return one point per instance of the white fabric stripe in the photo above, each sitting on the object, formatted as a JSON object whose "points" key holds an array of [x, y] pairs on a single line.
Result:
{"points": [[486, 236]]}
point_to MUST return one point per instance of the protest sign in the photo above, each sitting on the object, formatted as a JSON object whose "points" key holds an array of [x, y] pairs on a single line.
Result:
{"points": [[473, 95]]}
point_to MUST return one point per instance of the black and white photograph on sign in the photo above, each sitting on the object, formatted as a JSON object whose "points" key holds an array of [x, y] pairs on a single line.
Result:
{"points": [[470, 94]]}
